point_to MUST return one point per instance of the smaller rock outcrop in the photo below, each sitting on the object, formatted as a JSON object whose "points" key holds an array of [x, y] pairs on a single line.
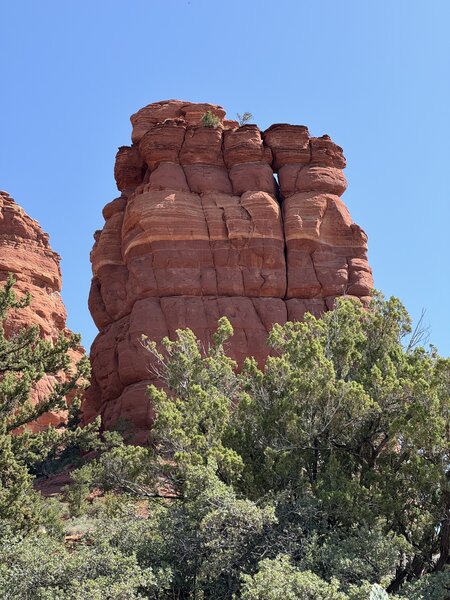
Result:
{"points": [[25, 252]]}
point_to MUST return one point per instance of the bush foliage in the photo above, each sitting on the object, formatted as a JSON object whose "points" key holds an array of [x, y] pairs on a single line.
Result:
{"points": [[209, 119], [25, 359], [324, 475]]}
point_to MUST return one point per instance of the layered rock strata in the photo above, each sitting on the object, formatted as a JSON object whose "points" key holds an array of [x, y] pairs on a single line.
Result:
{"points": [[26, 253], [214, 221]]}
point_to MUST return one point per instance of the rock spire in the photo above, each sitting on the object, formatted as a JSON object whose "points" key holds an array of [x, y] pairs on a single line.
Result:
{"points": [[214, 221]]}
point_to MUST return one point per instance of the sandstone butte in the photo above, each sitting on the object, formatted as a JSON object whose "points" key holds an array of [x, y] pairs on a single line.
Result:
{"points": [[25, 252], [213, 221]]}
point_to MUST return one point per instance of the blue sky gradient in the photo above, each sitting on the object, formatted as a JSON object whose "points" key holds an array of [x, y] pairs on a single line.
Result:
{"points": [[375, 75]]}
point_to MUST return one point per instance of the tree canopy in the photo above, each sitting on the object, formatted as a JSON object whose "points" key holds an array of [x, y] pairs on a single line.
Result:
{"points": [[333, 459], [323, 475]]}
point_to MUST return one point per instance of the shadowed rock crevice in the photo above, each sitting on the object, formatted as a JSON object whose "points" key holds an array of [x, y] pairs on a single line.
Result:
{"points": [[214, 221]]}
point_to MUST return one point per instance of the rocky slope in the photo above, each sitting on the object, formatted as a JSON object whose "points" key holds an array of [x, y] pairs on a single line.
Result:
{"points": [[214, 221], [26, 253]]}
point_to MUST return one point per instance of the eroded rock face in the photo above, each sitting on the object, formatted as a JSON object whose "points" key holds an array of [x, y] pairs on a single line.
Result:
{"points": [[203, 228], [26, 253]]}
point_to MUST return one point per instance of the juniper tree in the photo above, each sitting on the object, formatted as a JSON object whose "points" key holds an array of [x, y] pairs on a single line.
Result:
{"points": [[25, 359], [329, 466]]}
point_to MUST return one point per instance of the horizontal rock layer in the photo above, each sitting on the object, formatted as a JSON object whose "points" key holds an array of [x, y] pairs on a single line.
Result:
{"points": [[214, 221]]}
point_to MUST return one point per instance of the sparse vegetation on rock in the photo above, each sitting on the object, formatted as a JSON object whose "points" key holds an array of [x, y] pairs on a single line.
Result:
{"points": [[209, 119], [244, 118]]}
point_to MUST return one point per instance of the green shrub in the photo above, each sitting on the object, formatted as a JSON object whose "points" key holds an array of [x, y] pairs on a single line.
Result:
{"points": [[209, 119], [279, 579], [377, 593], [41, 568], [434, 586]]}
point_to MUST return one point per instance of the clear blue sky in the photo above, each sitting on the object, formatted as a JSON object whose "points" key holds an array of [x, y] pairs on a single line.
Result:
{"points": [[374, 74]]}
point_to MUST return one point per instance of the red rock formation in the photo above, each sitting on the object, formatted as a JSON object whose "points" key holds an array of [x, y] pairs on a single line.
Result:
{"points": [[25, 252], [204, 229]]}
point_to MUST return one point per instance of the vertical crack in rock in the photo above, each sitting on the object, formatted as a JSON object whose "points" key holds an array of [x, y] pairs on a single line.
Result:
{"points": [[201, 239], [210, 242], [316, 274]]}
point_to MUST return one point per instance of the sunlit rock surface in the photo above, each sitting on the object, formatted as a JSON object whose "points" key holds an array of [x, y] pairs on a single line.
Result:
{"points": [[214, 221]]}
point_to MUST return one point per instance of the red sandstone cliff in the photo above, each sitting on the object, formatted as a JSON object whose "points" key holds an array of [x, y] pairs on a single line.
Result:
{"points": [[202, 229], [25, 252]]}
